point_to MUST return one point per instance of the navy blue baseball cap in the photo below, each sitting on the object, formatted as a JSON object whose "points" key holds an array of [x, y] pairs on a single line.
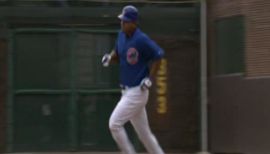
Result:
{"points": [[129, 14]]}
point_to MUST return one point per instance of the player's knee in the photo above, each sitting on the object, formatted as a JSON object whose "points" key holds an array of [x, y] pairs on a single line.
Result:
{"points": [[114, 126]]}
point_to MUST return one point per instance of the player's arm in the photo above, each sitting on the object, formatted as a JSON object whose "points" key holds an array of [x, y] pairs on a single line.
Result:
{"points": [[154, 68], [155, 53], [110, 58], [114, 57]]}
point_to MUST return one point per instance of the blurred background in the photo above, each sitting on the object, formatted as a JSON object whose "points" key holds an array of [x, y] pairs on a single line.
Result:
{"points": [[55, 96]]}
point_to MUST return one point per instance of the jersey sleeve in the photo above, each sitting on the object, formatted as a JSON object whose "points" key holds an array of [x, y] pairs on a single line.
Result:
{"points": [[151, 50]]}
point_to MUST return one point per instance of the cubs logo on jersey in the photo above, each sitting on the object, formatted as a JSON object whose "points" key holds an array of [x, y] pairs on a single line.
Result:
{"points": [[132, 56]]}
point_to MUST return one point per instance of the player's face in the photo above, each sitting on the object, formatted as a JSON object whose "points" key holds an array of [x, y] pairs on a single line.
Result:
{"points": [[124, 26], [127, 27]]}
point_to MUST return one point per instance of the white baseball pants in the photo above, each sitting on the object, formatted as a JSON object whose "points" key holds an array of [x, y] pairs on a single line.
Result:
{"points": [[131, 107]]}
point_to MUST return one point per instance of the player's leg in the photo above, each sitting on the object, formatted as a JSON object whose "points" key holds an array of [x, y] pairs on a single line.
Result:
{"points": [[141, 126], [129, 105], [116, 124]]}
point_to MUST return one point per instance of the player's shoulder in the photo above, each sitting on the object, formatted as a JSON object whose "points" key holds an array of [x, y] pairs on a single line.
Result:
{"points": [[120, 36], [142, 37], [120, 33], [141, 34]]}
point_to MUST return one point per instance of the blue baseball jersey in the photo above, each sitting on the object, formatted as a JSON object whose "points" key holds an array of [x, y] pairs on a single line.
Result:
{"points": [[135, 54]]}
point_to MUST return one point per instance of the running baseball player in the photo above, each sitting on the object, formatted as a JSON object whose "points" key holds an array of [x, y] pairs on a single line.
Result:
{"points": [[139, 59]]}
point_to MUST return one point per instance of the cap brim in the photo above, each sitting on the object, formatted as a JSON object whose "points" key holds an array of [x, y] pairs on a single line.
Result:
{"points": [[123, 18], [120, 16]]}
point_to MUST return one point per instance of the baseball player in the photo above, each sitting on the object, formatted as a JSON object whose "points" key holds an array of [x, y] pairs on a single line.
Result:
{"points": [[139, 58]]}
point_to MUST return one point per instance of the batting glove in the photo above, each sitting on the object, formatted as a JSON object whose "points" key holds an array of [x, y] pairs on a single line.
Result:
{"points": [[146, 83], [106, 60]]}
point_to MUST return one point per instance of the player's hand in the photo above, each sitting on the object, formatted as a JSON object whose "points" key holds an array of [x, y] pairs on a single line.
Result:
{"points": [[106, 60], [146, 83]]}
